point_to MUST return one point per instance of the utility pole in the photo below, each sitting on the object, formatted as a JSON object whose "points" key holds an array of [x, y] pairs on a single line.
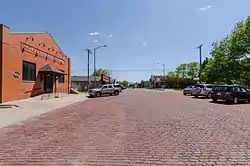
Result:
{"points": [[89, 52], [163, 72], [199, 47], [164, 75], [94, 67]]}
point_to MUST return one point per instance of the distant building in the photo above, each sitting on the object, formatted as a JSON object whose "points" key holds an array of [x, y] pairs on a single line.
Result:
{"points": [[145, 84], [157, 81], [31, 64], [80, 83]]}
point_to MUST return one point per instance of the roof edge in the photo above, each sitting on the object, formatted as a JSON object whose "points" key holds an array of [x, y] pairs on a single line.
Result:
{"points": [[5, 26]]}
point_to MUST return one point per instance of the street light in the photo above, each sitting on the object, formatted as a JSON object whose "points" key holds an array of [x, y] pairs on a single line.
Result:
{"points": [[96, 48], [199, 47], [163, 70], [89, 52]]}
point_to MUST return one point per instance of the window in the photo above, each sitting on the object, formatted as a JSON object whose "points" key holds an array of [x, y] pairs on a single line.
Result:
{"points": [[61, 78], [199, 86], [210, 86], [110, 86], [243, 89], [236, 89], [29, 71], [104, 87]]}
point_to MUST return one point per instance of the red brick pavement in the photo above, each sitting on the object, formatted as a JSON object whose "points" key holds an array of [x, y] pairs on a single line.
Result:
{"points": [[135, 128]]}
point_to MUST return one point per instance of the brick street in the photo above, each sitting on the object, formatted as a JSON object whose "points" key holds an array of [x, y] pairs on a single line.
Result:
{"points": [[138, 127]]}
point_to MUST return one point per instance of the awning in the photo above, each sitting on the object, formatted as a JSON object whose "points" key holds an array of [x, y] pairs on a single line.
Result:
{"points": [[50, 69]]}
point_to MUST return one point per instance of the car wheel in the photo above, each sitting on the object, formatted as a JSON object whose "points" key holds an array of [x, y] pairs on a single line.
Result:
{"points": [[184, 94], [116, 93], [214, 100], [235, 100], [195, 96], [209, 95], [97, 94]]}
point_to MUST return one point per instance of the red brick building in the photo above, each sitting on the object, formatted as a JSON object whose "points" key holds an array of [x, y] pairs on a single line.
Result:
{"points": [[31, 64]]}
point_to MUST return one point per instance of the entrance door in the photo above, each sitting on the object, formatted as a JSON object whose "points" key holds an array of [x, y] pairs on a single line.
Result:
{"points": [[48, 84]]}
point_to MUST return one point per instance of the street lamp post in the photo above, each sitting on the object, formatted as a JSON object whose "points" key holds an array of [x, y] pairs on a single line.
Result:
{"points": [[89, 52], [199, 47], [95, 61], [164, 75]]}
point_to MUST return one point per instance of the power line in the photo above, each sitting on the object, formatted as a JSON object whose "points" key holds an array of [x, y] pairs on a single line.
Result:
{"points": [[128, 70]]}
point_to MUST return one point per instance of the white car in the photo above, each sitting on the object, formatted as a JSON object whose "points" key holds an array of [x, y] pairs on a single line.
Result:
{"points": [[106, 89], [203, 90], [188, 90]]}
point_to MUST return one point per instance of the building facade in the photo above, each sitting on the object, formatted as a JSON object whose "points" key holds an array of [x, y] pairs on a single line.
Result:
{"points": [[157, 81], [31, 64], [80, 83]]}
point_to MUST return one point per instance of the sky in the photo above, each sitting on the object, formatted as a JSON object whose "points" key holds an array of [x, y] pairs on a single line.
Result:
{"points": [[138, 33]]}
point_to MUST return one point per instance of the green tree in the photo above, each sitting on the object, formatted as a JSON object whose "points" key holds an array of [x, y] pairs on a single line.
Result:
{"points": [[124, 83], [230, 61], [172, 75], [99, 72], [181, 70], [192, 70]]}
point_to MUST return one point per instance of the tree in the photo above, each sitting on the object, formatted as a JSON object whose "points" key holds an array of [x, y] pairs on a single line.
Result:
{"points": [[124, 83], [192, 70], [99, 72], [181, 70], [230, 61]]}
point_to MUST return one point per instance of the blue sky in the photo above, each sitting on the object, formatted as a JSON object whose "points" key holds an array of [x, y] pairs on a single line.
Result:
{"points": [[139, 33]]}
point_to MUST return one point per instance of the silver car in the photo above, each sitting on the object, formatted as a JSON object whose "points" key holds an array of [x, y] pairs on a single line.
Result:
{"points": [[203, 90], [188, 90], [118, 86], [107, 89]]}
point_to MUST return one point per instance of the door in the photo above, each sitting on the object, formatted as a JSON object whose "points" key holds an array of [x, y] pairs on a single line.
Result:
{"points": [[244, 93], [110, 89], [48, 84], [104, 89]]}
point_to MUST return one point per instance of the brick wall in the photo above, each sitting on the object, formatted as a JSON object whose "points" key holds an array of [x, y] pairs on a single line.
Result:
{"points": [[12, 57]]}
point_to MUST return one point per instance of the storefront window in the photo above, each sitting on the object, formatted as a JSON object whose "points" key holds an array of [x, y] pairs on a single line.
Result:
{"points": [[29, 71]]}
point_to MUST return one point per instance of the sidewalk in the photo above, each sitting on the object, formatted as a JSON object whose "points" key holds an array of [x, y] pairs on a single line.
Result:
{"points": [[32, 107]]}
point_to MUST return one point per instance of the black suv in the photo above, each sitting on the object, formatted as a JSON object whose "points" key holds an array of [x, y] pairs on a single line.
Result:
{"points": [[232, 93]]}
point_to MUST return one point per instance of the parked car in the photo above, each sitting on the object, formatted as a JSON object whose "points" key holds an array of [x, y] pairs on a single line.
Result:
{"points": [[107, 89], [231, 93], [188, 90], [203, 90], [118, 86]]}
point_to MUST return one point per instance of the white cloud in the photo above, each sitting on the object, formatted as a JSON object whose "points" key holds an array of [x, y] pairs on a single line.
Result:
{"points": [[95, 41], [144, 43], [94, 33], [205, 8], [110, 35]]}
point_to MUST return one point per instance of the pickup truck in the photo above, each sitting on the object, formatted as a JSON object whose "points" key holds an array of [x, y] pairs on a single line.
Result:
{"points": [[106, 89]]}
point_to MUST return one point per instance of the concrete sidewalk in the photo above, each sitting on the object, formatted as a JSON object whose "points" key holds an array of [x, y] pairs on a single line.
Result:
{"points": [[32, 107]]}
